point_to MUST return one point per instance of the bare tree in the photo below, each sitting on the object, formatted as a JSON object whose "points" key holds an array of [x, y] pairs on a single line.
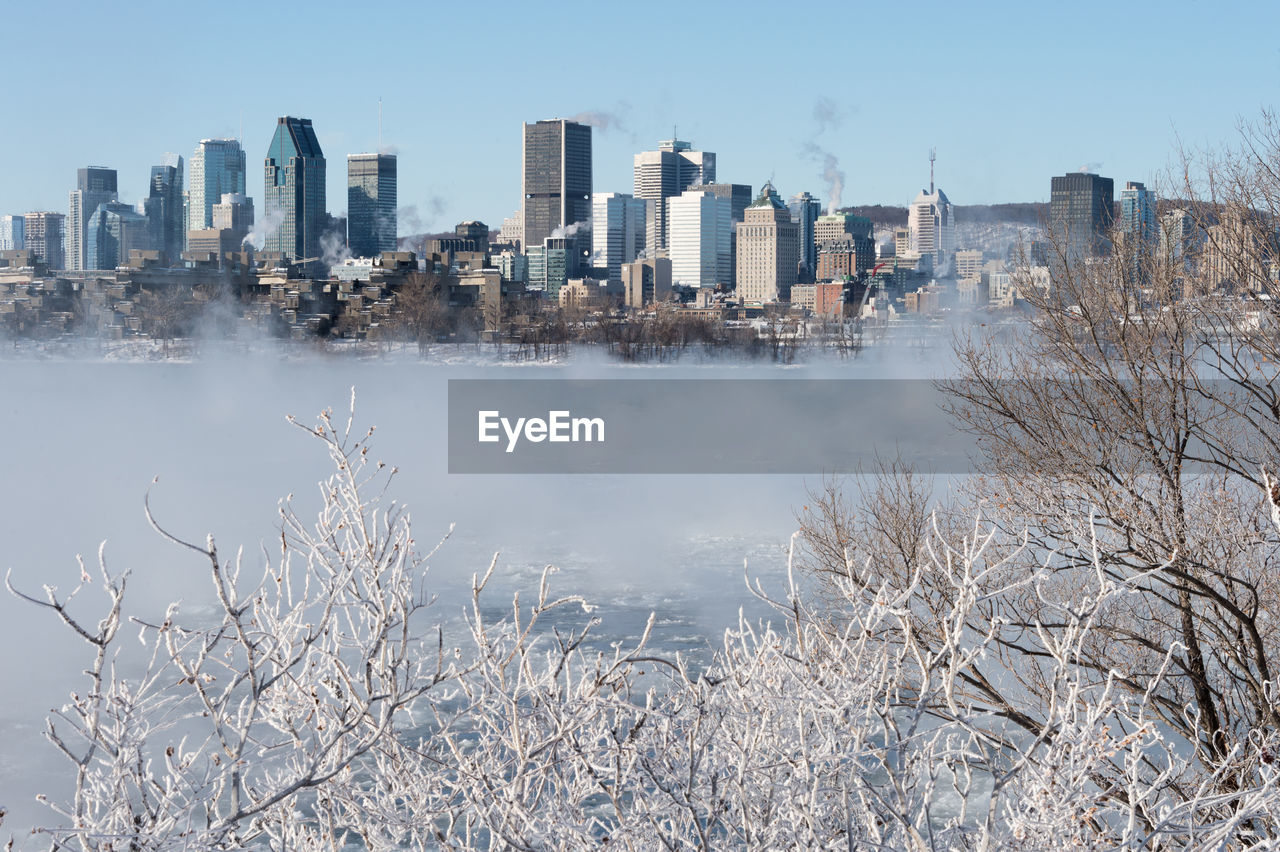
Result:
{"points": [[311, 715]]}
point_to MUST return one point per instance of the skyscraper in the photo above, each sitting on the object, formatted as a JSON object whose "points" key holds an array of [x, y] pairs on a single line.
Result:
{"points": [[617, 230], [44, 235], [114, 230], [294, 175], [805, 210], [12, 233], [556, 177], [217, 168], [1081, 213], [164, 208], [94, 185], [932, 228], [1138, 214], [667, 172], [699, 239], [371, 204], [768, 249]]}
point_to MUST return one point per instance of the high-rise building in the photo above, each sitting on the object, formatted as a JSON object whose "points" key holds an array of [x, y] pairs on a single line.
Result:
{"points": [[552, 264], [95, 185], [164, 208], [1181, 237], [699, 238], [617, 231], [294, 190], [805, 210], [234, 213], [932, 227], [114, 230], [1138, 215], [556, 178], [740, 197], [665, 173], [768, 250], [218, 168], [371, 204], [1081, 213], [43, 232], [12, 233]]}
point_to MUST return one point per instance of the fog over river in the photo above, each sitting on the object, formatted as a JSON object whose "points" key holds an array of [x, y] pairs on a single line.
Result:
{"points": [[84, 439]]}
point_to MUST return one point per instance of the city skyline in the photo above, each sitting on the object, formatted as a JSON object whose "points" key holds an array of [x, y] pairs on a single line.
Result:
{"points": [[1010, 113]]}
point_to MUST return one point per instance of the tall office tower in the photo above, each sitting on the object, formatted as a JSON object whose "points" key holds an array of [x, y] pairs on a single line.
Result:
{"points": [[556, 178], [617, 230], [164, 208], [1138, 214], [234, 213], [740, 197], [45, 237], [11, 233], [1081, 213], [932, 227], [294, 175], [805, 210], [114, 230], [94, 185], [768, 250], [699, 238], [371, 204], [218, 167], [665, 173]]}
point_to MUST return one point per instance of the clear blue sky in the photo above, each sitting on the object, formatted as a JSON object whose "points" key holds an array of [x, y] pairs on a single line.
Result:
{"points": [[1008, 93]]}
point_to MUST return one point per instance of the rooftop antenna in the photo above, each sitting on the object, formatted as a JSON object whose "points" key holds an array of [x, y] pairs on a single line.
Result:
{"points": [[379, 125], [241, 140], [933, 155]]}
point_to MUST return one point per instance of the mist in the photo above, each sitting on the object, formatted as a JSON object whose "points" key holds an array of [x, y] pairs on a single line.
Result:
{"points": [[87, 438]]}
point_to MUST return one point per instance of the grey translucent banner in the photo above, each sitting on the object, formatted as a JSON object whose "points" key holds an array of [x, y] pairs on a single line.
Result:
{"points": [[702, 426]]}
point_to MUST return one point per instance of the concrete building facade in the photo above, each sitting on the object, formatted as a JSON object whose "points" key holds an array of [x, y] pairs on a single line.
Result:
{"points": [[45, 237], [666, 173], [768, 250], [699, 239]]}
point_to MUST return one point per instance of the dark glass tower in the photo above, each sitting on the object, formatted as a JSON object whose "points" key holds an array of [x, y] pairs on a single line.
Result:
{"points": [[164, 210], [557, 177], [294, 175], [371, 204], [94, 185], [1081, 213]]}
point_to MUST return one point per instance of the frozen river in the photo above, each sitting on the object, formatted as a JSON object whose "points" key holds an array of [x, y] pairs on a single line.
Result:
{"points": [[84, 439]]}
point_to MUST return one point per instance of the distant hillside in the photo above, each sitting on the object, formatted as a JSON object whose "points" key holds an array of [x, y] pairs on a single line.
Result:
{"points": [[1021, 213]]}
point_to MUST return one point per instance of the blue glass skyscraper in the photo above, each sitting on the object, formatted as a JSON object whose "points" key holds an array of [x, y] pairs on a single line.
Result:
{"points": [[294, 190]]}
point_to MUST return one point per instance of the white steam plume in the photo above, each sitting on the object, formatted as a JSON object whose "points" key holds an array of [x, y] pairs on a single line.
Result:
{"points": [[264, 228]]}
